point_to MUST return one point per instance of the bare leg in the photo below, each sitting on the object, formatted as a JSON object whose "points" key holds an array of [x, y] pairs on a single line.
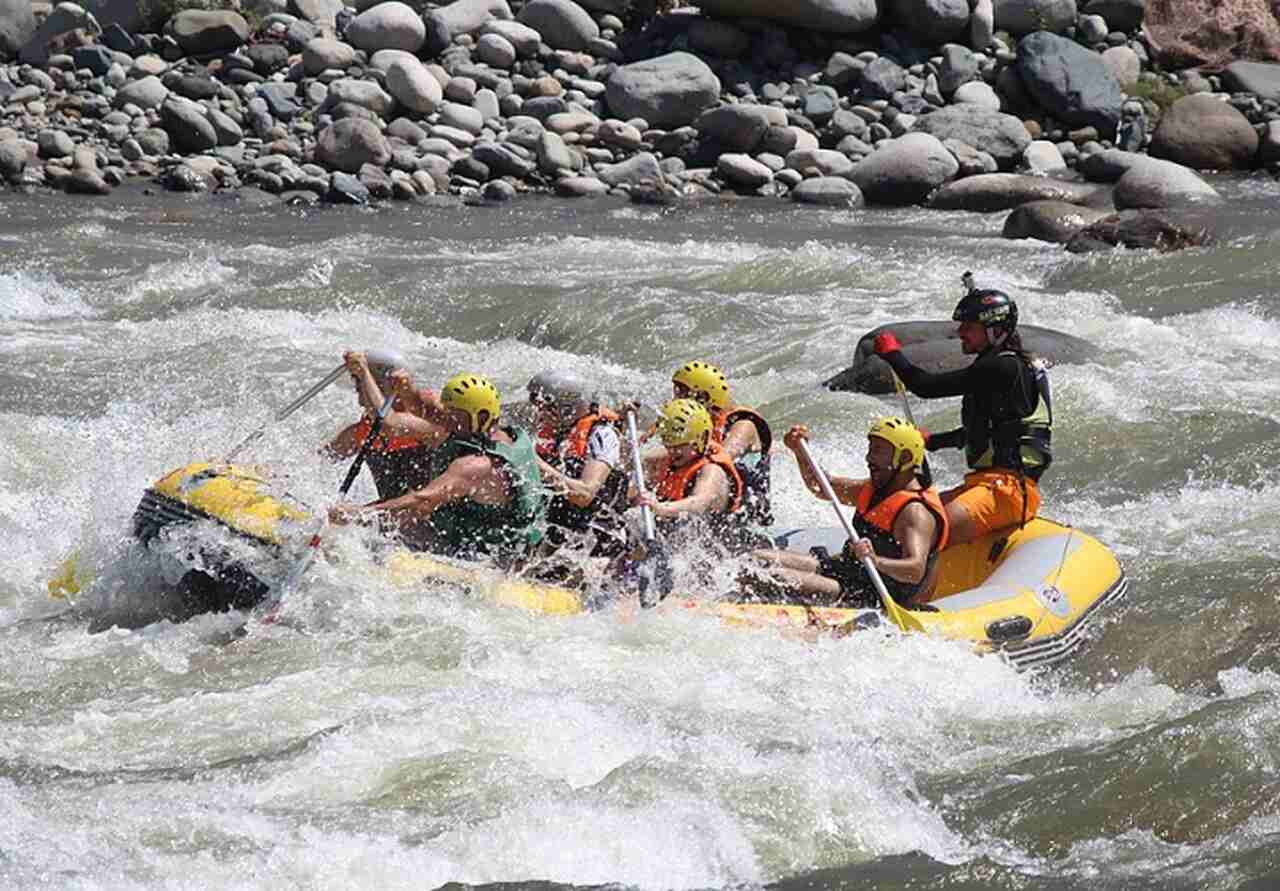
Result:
{"points": [[799, 573]]}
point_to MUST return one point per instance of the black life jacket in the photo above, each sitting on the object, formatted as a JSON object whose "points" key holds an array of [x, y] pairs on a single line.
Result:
{"points": [[1014, 428]]}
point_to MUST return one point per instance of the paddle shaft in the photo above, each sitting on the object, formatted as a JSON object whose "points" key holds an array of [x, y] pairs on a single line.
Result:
{"points": [[286, 411], [890, 607], [271, 603], [637, 468]]}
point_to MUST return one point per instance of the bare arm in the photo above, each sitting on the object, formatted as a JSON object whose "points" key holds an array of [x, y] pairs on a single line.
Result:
{"points": [[915, 528], [471, 477], [741, 438], [846, 489]]}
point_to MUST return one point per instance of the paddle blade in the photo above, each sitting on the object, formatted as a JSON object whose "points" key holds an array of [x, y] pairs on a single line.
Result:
{"points": [[64, 583]]}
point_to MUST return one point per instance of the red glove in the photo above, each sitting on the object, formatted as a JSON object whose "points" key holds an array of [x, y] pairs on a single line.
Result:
{"points": [[886, 342]]}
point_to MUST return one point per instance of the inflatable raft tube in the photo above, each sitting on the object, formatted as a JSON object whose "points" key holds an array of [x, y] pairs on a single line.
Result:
{"points": [[1027, 593]]}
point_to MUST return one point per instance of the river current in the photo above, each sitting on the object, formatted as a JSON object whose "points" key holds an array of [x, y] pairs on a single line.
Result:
{"points": [[411, 737]]}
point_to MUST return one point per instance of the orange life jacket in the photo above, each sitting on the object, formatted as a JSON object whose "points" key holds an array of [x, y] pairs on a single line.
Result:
{"points": [[398, 464], [678, 482], [574, 444], [882, 516], [754, 468], [570, 456]]}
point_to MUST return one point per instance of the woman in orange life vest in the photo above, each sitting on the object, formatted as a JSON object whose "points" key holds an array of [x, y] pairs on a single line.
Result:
{"points": [[741, 431], [580, 458], [903, 524], [399, 459], [692, 475]]}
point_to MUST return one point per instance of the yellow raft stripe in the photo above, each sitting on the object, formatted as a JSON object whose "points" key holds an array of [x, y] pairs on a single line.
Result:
{"points": [[233, 495]]}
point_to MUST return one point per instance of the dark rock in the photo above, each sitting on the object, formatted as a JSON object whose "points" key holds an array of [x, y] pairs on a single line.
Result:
{"points": [[188, 127], [202, 32], [194, 87], [935, 347], [97, 59], [117, 38], [990, 192], [1205, 133], [882, 78], [1002, 136], [1052, 221], [1259, 78], [1070, 82], [268, 57], [469, 168], [1121, 15], [376, 181], [1141, 229], [181, 178], [344, 188]]}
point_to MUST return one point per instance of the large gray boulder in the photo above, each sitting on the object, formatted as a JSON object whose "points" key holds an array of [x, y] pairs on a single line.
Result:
{"points": [[390, 25], [668, 91], [933, 346], [1203, 132], [833, 16], [202, 32], [1262, 78], [1070, 82], [563, 24], [1052, 221], [145, 92], [930, 21], [189, 128], [738, 128], [1024, 16], [17, 26], [638, 169], [828, 191], [469, 16], [351, 143], [988, 192], [363, 93], [322, 53], [1000, 135], [904, 170], [413, 86], [1154, 183]]}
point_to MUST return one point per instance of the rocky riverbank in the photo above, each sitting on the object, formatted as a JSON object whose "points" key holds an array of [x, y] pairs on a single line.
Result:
{"points": [[978, 105]]}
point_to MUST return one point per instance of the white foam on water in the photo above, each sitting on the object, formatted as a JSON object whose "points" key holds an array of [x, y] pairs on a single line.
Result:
{"points": [[32, 295]]}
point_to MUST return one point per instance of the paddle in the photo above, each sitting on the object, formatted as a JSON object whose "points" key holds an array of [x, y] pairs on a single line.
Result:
{"points": [[926, 475], [384, 358], [270, 604], [654, 571], [897, 615]]}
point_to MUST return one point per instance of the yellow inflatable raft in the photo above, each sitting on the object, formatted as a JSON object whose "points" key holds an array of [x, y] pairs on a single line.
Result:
{"points": [[1028, 593]]}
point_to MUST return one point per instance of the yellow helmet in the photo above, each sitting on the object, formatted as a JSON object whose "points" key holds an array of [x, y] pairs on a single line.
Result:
{"points": [[705, 380], [473, 394], [684, 422], [907, 441]]}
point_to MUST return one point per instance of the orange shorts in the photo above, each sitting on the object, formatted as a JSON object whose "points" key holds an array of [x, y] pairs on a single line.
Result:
{"points": [[993, 499]]}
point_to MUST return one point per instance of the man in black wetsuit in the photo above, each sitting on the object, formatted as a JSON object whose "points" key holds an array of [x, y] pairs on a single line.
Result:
{"points": [[1006, 415]]}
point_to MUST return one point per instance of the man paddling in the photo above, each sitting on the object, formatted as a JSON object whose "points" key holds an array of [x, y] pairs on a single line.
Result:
{"points": [[1006, 414], [399, 457], [902, 523], [484, 498], [580, 456], [741, 431]]}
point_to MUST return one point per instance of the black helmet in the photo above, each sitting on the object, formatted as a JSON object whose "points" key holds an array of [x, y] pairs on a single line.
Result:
{"points": [[987, 306]]}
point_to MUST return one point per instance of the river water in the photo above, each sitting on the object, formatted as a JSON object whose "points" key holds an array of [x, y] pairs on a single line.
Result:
{"points": [[410, 737]]}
